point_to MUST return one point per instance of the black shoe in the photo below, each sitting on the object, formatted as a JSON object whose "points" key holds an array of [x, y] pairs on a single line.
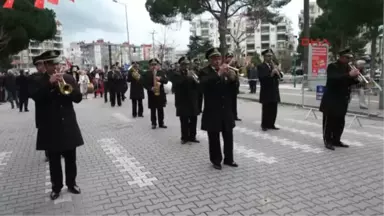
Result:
{"points": [[153, 126], [232, 164], [237, 119], [26, 110], [75, 190], [330, 147], [341, 144], [275, 128], [184, 141], [217, 166], [141, 116], [134, 116], [264, 129], [163, 126], [194, 140], [54, 195], [46, 159]]}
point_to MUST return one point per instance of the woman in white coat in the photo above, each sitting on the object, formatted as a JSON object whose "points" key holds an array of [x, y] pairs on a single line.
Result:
{"points": [[83, 82]]}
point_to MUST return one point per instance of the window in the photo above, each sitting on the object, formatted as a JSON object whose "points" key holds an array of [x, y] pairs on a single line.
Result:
{"points": [[204, 25], [281, 28], [250, 46], [204, 32], [264, 29], [264, 37], [282, 37], [272, 29], [250, 53], [265, 46], [250, 30], [273, 46]]}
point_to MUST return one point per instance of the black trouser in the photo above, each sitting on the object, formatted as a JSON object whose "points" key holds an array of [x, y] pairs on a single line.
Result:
{"points": [[23, 102], [268, 115], [160, 116], [137, 104], [215, 148], [188, 127], [46, 154], [200, 101], [105, 92], [253, 86], [234, 105], [12, 96], [57, 172], [115, 95], [333, 127]]}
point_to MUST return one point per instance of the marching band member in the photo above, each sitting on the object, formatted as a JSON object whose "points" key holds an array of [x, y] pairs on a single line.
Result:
{"points": [[335, 100], [114, 86], [74, 71], [154, 81], [58, 130], [360, 88], [137, 90], [105, 83], [186, 86], [200, 73], [269, 76], [229, 59], [217, 116]]}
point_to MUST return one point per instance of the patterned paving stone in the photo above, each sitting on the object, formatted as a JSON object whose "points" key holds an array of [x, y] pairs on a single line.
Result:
{"points": [[126, 168]]}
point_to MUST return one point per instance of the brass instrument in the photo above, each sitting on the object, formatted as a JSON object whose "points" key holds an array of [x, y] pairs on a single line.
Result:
{"points": [[156, 85], [274, 67], [65, 88], [360, 77], [135, 74], [193, 75]]}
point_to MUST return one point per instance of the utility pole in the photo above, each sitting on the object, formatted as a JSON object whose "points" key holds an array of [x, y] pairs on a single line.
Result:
{"points": [[110, 55], [306, 48], [381, 95], [153, 43]]}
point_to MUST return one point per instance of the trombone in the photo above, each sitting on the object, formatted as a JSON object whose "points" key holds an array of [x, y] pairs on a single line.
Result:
{"points": [[360, 77]]}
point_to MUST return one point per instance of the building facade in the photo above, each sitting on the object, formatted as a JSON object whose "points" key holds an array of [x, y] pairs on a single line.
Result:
{"points": [[245, 37], [23, 60]]}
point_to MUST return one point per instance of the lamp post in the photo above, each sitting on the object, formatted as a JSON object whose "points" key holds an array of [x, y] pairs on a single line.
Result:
{"points": [[381, 83], [127, 27]]}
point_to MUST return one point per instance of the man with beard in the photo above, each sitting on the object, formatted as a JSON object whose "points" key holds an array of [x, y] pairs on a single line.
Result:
{"points": [[154, 81], [186, 86]]}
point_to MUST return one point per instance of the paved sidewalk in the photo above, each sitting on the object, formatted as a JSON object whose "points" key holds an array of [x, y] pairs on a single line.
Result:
{"points": [[125, 168], [291, 96]]}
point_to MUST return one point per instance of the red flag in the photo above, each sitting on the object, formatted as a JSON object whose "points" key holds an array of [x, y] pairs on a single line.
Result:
{"points": [[8, 4], [55, 2], [39, 4], [72, 0]]}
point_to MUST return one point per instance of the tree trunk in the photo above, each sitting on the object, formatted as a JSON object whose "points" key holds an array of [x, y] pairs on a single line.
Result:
{"points": [[374, 35], [222, 33]]}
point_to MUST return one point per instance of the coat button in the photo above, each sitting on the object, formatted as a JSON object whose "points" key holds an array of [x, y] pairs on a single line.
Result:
{"points": [[62, 119]]}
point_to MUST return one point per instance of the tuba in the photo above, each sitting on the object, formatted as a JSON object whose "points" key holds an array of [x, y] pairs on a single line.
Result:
{"points": [[156, 85]]}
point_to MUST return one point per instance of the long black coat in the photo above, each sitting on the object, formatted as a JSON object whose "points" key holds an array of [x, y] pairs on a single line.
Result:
{"points": [[269, 85], [217, 114], [337, 94], [58, 129], [137, 89], [155, 101], [22, 83], [200, 73], [34, 80], [116, 81], [186, 94]]}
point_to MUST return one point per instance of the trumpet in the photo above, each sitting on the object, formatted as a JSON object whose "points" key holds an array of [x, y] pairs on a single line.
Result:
{"points": [[65, 88], [274, 67], [193, 75], [360, 77]]}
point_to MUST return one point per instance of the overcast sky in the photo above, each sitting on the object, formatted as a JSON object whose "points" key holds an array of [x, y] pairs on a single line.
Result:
{"points": [[90, 20]]}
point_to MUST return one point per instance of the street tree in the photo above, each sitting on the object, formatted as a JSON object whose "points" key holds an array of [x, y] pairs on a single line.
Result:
{"points": [[23, 23], [197, 47], [164, 46], [166, 11]]}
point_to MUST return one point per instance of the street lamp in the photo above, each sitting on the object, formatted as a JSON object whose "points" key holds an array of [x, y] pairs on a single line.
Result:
{"points": [[126, 24], [381, 83]]}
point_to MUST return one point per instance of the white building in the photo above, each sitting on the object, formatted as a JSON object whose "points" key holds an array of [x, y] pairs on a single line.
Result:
{"points": [[23, 60], [314, 12], [74, 54], [252, 39]]}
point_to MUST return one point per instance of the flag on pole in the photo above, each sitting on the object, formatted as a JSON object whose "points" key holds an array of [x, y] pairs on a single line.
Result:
{"points": [[8, 4], [39, 4], [55, 2]]}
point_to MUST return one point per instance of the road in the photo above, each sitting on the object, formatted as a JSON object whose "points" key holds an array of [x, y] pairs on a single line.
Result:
{"points": [[294, 96], [126, 168]]}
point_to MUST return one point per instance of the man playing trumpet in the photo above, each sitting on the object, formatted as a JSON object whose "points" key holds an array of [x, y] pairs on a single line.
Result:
{"points": [[217, 85], [229, 61], [58, 131], [334, 104], [186, 86], [269, 76]]}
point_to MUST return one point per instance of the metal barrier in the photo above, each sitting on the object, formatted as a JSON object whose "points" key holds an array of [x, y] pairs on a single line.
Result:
{"points": [[305, 96]]}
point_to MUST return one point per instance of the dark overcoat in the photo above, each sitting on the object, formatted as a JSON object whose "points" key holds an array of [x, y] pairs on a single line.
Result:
{"points": [[186, 94], [137, 89], [217, 115], [58, 129], [200, 73], [337, 94], [34, 81], [269, 85], [153, 100], [22, 83]]}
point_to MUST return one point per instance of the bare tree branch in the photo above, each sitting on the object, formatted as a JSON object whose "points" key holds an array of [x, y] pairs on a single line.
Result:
{"points": [[207, 6], [242, 4], [4, 39]]}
